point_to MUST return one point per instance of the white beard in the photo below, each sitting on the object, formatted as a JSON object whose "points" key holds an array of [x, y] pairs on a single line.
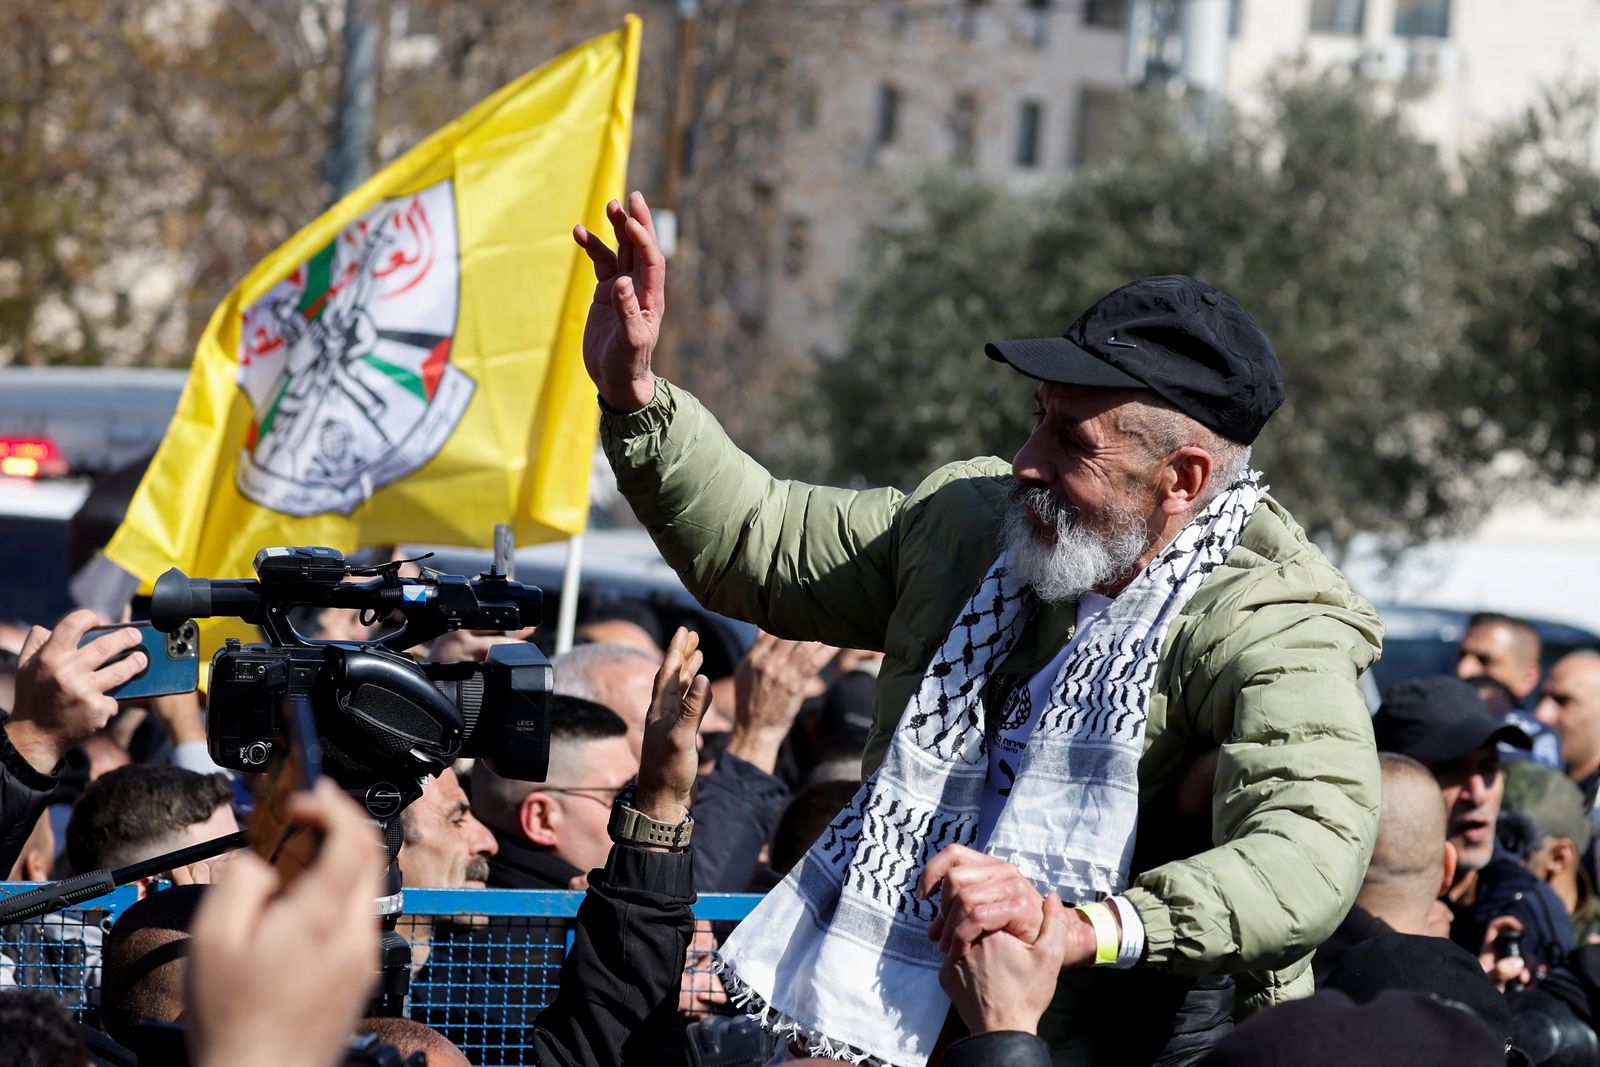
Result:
{"points": [[1081, 558]]}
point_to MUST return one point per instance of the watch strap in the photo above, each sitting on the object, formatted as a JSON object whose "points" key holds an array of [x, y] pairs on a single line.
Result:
{"points": [[630, 826]]}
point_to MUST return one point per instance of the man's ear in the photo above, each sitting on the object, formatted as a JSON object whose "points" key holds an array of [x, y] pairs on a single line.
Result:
{"points": [[1530, 680], [1563, 856], [539, 819], [1449, 869], [35, 865], [1188, 474]]}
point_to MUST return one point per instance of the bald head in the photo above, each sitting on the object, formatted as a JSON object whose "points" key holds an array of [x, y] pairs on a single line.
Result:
{"points": [[1502, 648], [618, 676], [1409, 867], [408, 1036], [1569, 702], [145, 961]]}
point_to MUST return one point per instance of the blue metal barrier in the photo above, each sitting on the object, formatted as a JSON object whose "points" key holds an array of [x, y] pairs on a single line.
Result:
{"points": [[486, 959]]}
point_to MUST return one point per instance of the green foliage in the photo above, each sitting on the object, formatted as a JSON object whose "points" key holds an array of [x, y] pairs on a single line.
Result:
{"points": [[1341, 232], [1529, 253], [942, 276]]}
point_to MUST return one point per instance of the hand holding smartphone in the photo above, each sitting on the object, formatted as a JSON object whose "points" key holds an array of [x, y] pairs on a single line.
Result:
{"points": [[172, 660]]}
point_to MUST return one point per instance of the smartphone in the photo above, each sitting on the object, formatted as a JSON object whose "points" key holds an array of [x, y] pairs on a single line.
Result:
{"points": [[172, 660]]}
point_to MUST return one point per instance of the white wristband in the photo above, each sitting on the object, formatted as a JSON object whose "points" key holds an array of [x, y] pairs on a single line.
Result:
{"points": [[1132, 947]]}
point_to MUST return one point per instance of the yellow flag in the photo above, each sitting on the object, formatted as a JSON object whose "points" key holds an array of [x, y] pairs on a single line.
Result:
{"points": [[408, 367]]}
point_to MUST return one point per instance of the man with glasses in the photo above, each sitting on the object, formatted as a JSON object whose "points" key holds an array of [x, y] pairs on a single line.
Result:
{"points": [[548, 835], [551, 834]]}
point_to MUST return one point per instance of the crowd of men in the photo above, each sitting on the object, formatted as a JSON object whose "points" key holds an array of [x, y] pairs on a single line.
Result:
{"points": [[1476, 837], [1057, 760]]}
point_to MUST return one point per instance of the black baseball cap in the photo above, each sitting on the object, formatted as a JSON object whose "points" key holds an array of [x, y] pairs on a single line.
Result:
{"points": [[1439, 718], [1187, 342]]}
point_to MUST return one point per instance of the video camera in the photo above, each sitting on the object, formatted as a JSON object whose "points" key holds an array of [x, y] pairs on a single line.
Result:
{"points": [[376, 720], [378, 716]]}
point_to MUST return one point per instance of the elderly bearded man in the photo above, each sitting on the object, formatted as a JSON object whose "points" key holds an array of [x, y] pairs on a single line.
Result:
{"points": [[1114, 632]]}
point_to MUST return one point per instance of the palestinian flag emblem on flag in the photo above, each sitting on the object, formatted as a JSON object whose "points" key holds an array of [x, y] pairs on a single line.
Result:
{"points": [[347, 361]]}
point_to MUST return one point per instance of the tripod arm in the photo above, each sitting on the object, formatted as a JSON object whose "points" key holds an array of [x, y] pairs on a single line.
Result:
{"points": [[57, 896]]}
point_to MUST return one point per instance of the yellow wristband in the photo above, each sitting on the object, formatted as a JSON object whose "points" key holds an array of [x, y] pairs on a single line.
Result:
{"points": [[1106, 939]]}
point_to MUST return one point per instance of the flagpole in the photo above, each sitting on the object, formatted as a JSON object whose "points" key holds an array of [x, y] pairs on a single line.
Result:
{"points": [[566, 619]]}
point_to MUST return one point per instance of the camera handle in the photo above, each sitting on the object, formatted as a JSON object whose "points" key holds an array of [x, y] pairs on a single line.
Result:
{"points": [[63, 894]]}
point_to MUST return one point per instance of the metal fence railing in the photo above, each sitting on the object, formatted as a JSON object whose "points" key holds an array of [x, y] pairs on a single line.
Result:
{"points": [[485, 961]]}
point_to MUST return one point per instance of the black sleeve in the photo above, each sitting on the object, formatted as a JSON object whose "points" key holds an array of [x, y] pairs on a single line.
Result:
{"points": [[618, 995], [734, 815], [1002, 1048], [24, 794]]}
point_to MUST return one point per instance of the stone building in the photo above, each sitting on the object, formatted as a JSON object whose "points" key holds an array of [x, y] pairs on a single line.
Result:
{"points": [[1026, 90]]}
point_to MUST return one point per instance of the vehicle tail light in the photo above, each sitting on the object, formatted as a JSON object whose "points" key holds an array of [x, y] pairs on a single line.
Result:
{"points": [[29, 457]]}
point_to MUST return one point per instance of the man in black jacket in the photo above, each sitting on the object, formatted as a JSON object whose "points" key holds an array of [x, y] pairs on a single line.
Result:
{"points": [[1442, 723], [550, 834], [1412, 867]]}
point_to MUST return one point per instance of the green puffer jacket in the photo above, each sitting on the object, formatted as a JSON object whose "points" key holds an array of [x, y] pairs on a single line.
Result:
{"points": [[1261, 665]]}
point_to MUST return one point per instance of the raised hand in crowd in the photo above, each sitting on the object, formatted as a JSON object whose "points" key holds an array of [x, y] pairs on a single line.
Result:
{"points": [[770, 685], [629, 300], [61, 689], [669, 759], [282, 977]]}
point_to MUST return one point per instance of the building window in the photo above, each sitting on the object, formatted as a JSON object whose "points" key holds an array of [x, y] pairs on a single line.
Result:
{"points": [[1337, 16], [964, 127], [1106, 13], [1422, 18], [1099, 112], [888, 115], [1235, 14], [1036, 20], [1028, 133]]}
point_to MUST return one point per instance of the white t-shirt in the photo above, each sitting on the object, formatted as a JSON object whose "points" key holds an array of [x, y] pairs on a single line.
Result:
{"points": [[1021, 716]]}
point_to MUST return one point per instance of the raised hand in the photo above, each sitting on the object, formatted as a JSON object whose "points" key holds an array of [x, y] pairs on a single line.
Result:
{"points": [[669, 760], [769, 688], [629, 299], [62, 689]]}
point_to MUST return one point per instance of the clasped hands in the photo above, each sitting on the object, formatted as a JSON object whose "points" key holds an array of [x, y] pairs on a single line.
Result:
{"points": [[1003, 943]]}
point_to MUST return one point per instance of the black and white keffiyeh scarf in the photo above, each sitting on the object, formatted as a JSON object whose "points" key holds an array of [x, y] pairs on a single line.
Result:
{"points": [[837, 957]]}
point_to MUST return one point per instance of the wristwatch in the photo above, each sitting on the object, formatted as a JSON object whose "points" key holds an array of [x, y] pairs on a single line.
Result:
{"points": [[630, 826]]}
